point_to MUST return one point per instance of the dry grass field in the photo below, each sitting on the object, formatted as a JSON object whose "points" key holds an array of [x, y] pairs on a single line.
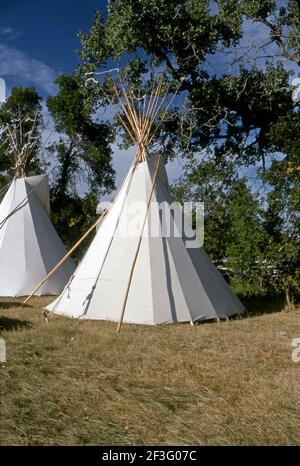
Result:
{"points": [[78, 382]]}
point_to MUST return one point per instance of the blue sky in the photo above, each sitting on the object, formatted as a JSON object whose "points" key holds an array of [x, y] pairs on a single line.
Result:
{"points": [[41, 36]]}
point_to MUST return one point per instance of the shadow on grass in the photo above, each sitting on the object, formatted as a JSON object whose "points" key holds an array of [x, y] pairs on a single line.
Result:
{"points": [[9, 324], [10, 304], [259, 305]]}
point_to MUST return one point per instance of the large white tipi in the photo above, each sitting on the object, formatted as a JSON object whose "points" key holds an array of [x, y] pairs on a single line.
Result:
{"points": [[137, 277], [29, 244]]}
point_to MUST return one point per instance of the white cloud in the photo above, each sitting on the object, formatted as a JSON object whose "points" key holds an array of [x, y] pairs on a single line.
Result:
{"points": [[16, 64], [8, 33]]}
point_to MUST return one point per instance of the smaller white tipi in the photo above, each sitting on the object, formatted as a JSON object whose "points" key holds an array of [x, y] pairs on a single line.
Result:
{"points": [[29, 244], [144, 278]]}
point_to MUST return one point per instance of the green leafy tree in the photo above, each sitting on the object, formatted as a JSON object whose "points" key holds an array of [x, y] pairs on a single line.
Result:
{"points": [[234, 232], [203, 181], [282, 21], [83, 157], [233, 111], [282, 220], [244, 250]]}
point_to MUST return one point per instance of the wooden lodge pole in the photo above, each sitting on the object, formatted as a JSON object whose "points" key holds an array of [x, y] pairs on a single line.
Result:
{"points": [[66, 256]]}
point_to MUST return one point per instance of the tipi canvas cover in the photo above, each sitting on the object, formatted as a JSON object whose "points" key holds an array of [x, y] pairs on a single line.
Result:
{"points": [[170, 283], [29, 244]]}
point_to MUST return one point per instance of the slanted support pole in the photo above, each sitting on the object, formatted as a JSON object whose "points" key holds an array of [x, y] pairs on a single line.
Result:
{"points": [[60, 263]]}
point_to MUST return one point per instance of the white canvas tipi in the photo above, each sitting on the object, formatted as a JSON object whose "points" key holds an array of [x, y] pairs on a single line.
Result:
{"points": [[170, 283], [29, 244], [135, 276]]}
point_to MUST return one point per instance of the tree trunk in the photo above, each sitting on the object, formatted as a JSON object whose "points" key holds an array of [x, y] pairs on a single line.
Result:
{"points": [[63, 179], [287, 297]]}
